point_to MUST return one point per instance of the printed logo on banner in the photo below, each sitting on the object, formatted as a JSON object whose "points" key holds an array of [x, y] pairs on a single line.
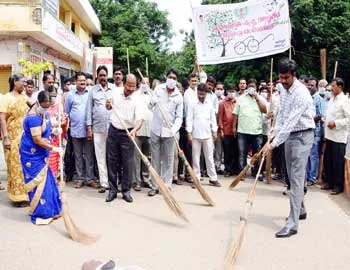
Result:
{"points": [[235, 32]]}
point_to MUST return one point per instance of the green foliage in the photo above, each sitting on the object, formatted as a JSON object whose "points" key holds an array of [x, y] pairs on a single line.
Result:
{"points": [[139, 26]]}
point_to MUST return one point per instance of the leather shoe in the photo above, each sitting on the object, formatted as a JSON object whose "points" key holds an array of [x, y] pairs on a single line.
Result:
{"points": [[336, 191], [153, 192], [285, 232], [137, 187], [111, 196], [127, 197]]}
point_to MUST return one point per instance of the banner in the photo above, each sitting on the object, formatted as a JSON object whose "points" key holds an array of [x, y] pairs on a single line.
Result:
{"points": [[242, 31], [104, 56]]}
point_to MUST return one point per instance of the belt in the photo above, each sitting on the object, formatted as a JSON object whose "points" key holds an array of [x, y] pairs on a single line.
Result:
{"points": [[121, 130], [304, 130]]}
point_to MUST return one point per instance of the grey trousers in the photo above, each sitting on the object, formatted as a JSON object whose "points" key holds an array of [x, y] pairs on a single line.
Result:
{"points": [[297, 149], [162, 150], [84, 159], [218, 153], [140, 170]]}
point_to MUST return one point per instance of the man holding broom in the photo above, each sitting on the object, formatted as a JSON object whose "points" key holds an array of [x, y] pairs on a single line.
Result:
{"points": [[120, 149], [294, 127], [169, 102]]}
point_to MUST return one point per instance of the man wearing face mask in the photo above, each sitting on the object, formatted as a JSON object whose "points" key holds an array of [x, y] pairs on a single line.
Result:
{"points": [[211, 84], [220, 91], [169, 99], [202, 129], [225, 119], [76, 108], [98, 122], [140, 171], [190, 97], [248, 114], [322, 87], [313, 162]]}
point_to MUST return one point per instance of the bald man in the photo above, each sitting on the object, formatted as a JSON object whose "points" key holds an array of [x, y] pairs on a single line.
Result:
{"points": [[125, 107]]}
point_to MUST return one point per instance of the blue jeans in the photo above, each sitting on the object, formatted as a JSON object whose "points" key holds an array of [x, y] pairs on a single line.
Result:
{"points": [[244, 141], [313, 161]]}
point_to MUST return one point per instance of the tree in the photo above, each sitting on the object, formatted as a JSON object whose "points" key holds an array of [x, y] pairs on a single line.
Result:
{"points": [[137, 25], [218, 36]]}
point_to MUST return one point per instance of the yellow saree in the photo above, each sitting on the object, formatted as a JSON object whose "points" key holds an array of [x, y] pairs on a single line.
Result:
{"points": [[15, 108]]}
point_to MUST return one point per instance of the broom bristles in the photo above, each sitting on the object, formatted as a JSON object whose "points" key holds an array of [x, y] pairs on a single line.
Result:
{"points": [[197, 183], [168, 197], [75, 233], [239, 177]]}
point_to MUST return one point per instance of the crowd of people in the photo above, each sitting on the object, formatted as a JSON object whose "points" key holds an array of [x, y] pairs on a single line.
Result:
{"points": [[93, 126]]}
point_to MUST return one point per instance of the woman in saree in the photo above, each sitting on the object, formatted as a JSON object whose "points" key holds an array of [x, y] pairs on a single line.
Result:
{"points": [[45, 202], [58, 129], [13, 108]]}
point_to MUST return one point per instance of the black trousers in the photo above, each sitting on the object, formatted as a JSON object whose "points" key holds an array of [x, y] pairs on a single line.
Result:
{"points": [[120, 157], [279, 162], [231, 154], [69, 162], [334, 164], [187, 148]]}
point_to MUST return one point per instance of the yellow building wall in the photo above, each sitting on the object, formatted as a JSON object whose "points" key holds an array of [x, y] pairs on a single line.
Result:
{"points": [[5, 73], [81, 31], [17, 18]]}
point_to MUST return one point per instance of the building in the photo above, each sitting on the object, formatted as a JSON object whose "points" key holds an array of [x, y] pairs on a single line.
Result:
{"points": [[58, 31]]}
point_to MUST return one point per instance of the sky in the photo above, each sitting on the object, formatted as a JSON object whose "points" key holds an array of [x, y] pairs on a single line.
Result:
{"points": [[179, 14]]}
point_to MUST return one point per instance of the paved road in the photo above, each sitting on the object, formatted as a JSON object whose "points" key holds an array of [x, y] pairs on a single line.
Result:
{"points": [[146, 234]]}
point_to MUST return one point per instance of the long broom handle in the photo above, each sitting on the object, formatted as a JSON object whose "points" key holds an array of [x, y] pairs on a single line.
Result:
{"points": [[60, 144]]}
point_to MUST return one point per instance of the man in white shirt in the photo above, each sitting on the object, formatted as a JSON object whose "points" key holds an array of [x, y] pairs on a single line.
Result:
{"points": [[202, 129], [190, 97], [167, 97], [143, 139], [336, 132], [120, 149]]}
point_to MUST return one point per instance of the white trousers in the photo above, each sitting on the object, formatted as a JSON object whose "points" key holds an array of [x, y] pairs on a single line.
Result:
{"points": [[208, 151], [100, 141]]}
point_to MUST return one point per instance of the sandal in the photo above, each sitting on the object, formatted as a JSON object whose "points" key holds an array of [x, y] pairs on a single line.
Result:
{"points": [[79, 184]]}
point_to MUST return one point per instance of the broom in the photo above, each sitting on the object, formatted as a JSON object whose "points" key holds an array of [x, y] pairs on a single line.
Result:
{"points": [[236, 245], [196, 182], [75, 233], [168, 197], [256, 157], [269, 156]]}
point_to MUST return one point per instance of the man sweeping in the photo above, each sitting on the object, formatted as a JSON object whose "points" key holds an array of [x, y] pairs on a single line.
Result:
{"points": [[294, 127]]}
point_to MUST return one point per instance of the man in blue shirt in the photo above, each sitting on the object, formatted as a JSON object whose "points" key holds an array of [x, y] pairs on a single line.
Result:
{"points": [[313, 162], [76, 106]]}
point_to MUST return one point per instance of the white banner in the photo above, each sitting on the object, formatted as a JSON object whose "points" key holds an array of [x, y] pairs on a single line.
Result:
{"points": [[104, 56], [242, 31]]}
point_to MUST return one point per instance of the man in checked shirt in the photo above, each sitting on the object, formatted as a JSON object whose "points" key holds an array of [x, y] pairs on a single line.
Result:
{"points": [[295, 127]]}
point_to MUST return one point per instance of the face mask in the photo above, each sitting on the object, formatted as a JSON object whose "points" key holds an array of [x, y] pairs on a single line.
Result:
{"points": [[144, 88], [53, 100], [41, 110], [71, 87], [170, 83], [251, 90], [328, 95], [88, 87], [322, 91], [56, 86], [264, 95], [231, 95], [219, 93]]}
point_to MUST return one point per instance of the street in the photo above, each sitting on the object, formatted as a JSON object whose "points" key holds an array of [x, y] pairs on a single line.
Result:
{"points": [[145, 233]]}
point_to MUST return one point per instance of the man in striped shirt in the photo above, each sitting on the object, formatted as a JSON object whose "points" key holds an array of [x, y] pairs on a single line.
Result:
{"points": [[294, 127]]}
